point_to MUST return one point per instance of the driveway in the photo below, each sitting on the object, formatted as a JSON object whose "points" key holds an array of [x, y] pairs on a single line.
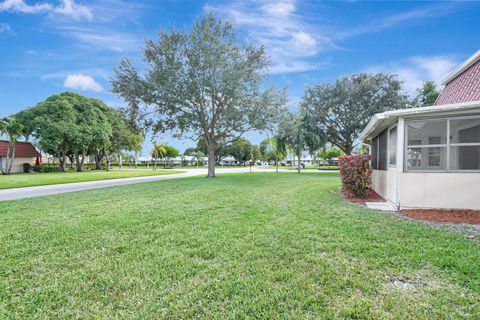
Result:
{"points": [[30, 192]]}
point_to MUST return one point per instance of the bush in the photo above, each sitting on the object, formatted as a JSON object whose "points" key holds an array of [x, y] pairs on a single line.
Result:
{"points": [[356, 174], [45, 168], [27, 168]]}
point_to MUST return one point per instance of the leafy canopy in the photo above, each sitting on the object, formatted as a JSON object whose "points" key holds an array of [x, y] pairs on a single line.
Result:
{"points": [[69, 123], [200, 84], [344, 108], [427, 94]]}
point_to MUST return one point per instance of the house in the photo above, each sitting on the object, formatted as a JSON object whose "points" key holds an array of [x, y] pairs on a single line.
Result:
{"points": [[429, 157], [25, 152], [181, 160], [228, 161], [290, 159]]}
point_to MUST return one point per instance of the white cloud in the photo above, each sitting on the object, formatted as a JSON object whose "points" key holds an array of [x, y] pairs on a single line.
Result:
{"points": [[292, 66], [22, 7], [282, 9], [5, 28], [288, 37], [82, 82], [292, 36], [305, 41], [71, 9], [67, 8], [414, 71], [391, 20], [102, 38]]}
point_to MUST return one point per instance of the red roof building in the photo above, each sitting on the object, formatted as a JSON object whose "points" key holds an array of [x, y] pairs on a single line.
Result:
{"points": [[463, 84], [22, 150]]}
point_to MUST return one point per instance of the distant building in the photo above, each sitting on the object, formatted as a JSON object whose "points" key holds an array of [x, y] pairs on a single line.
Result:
{"points": [[25, 152]]}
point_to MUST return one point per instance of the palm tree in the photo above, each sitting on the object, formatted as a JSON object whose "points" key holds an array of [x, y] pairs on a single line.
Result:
{"points": [[13, 130], [199, 156], [157, 152], [277, 148]]}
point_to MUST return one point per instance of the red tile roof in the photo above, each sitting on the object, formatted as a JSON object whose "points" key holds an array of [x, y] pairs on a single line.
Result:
{"points": [[23, 149], [465, 87]]}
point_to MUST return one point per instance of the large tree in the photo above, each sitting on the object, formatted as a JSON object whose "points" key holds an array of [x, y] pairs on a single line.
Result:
{"points": [[171, 152], [328, 154], [51, 123], [344, 108], [241, 150], [69, 125], [200, 84]]}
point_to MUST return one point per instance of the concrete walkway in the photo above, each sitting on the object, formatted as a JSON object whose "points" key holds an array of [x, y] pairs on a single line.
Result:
{"points": [[382, 206], [30, 192]]}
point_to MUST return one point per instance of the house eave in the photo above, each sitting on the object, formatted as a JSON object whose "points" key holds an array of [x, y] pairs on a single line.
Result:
{"points": [[380, 118], [464, 66]]}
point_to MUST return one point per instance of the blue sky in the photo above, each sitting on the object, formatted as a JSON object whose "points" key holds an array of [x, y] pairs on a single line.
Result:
{"points": [[51, 46]]}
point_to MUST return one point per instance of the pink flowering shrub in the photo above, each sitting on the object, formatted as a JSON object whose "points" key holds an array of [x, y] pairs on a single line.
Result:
{"points": [[356, 174]]}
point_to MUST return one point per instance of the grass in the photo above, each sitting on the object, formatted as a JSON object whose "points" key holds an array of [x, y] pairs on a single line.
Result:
{"points": [[262, 245], [41, 179], [334, 168]]}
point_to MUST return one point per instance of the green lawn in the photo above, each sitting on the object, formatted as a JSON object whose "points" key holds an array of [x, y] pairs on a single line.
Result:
{"points": [[262, 245], [312, 167], [40, 179]]}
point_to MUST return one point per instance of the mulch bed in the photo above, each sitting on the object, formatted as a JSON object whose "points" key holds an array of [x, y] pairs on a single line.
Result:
{"points": [[372, 197], [438, 215]]}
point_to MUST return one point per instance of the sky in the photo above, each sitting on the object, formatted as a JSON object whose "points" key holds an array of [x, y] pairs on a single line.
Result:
{"points": [[51, 46]]}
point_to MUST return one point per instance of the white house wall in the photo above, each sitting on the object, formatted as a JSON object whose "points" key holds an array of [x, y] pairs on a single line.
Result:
{"points": [[380, 182], [392, 185], [385, 184], [17, 166], [448, 190]]}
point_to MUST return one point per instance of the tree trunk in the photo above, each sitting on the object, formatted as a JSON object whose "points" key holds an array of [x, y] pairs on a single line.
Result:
{"points": [[82, 162], [120, 159], [7, 161], [299, 163], [347, 148], [77, 162], [211, 160], [99, 155], [62, 159], [12, 158], [276, 163], [107, 159], [72, 160], [136, 159]]}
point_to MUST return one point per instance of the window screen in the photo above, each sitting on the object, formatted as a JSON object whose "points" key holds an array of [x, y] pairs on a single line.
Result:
{"points": [[382, 150], [428, 132], [465, 144], [374, 152], [392, 147], [428, 146]]}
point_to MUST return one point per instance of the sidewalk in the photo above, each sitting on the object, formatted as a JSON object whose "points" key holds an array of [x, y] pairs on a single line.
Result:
{"points": [[30, 192]]}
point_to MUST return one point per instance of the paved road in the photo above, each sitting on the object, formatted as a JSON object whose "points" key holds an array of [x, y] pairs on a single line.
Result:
{"points": [[30, 192]]}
